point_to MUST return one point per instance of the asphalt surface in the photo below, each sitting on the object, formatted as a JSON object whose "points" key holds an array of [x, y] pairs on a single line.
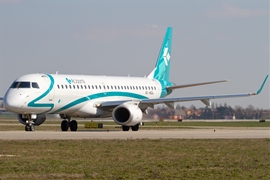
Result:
{"points": [[224, 133]]}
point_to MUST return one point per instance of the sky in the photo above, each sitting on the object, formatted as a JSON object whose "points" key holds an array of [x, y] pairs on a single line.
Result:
{"points": [[212, 40]]}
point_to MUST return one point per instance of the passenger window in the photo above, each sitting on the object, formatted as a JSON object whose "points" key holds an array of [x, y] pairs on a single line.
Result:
{"points": [[85, 87], [58, 86], [78, 86], [74, 87], [70, 87], [89, 87], [35, 85], [62, 86], [81, 86], [66, 87]]}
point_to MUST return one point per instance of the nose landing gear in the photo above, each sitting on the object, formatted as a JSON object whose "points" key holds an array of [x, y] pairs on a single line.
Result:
{"points": [[29, 126]]}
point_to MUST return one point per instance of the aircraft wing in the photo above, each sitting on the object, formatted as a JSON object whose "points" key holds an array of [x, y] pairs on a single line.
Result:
{"points": [[169, 101]]}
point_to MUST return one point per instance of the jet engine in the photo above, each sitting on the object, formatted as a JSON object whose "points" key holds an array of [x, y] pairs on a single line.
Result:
{"points": [[127, 114], [38, 119]]}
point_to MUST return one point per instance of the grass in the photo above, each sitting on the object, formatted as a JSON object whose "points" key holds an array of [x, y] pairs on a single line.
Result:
{"points": [[135, 159]]}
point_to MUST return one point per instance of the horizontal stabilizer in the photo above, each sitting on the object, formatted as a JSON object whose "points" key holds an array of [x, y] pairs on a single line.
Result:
{"points": [[195, 84]]}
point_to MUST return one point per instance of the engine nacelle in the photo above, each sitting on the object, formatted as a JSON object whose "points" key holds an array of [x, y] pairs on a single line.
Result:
{"points": [[39, 119], [127, 114]]}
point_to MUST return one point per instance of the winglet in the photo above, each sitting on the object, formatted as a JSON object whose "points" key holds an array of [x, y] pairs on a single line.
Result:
{"points": [[259, 91]]}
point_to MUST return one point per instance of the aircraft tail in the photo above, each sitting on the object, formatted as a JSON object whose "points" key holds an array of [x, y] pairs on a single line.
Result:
{"points": [[162, 68]]}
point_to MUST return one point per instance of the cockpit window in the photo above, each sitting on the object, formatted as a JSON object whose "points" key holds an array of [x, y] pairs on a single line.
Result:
{"points": [[35, 85], [20, 85]]}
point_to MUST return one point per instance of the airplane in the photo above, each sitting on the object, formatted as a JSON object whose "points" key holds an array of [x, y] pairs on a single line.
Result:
{"points": [[125, 99], [1, 102]]}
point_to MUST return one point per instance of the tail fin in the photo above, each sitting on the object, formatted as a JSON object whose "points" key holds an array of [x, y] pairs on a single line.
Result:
{"points": [[162, 68]]}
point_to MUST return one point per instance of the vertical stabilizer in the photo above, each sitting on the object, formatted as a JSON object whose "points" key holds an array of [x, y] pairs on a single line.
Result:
{"points": [[162, 68]]}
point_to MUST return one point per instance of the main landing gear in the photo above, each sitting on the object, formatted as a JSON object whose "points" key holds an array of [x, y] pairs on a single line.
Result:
{"points": [[133, 128], [66, 123]]}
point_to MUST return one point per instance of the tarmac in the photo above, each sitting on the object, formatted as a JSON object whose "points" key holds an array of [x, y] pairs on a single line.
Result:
{"points": [[224, 133]]}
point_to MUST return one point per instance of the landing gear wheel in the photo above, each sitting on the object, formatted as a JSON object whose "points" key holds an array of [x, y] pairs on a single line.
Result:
{"points": [[29, 127], [125, 128], [73, 125], [64, 125], [32, 127], [135, 128]]}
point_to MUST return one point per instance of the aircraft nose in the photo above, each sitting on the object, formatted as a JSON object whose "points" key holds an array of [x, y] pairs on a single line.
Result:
{"points": [[12, 102]]}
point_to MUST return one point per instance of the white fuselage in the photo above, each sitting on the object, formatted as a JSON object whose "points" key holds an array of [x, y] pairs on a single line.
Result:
{"points": [[75, 95]]}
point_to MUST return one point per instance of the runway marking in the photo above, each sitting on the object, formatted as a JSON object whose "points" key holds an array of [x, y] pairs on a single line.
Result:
{"points": [[7, 155], [142, 134]]}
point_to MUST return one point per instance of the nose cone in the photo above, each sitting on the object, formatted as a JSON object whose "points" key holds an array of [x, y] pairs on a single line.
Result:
{"points": [[12, 101], [9, 104]]}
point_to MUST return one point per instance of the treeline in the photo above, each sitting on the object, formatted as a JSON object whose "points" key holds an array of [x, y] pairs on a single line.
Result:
{"points": [[213, 112]]}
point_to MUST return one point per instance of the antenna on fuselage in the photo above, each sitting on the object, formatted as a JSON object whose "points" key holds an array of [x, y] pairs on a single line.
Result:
{"points": [[56, 72]]}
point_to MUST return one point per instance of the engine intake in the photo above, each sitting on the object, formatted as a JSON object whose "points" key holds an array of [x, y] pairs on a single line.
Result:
{"points": [[127, 114], [40, 118]]}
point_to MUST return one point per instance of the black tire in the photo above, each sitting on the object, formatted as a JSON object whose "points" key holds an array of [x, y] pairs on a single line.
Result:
{"points": [[64, 125], [32, 128], [27, 128], [135, 128], [125, 128], [73, 125]]}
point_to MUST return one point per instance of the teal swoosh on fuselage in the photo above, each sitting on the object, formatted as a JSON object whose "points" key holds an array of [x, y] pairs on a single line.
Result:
{"points": [[99, 95], [50, 105]]}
